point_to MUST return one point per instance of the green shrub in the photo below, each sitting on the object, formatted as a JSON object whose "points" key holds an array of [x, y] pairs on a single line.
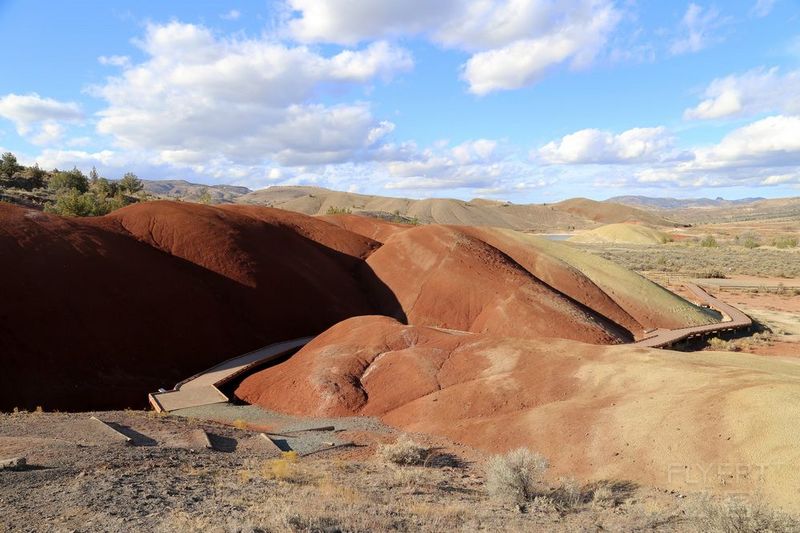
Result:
{"points": [[130, 183], [708, 242], [72, 203], [749, 239], [338, 211], [785, 241], [71, 180]]}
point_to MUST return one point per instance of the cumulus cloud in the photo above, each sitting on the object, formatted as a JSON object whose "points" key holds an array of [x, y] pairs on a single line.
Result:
{"points": [[246, 101], [513, 42], [697, 29], [39, 119], [592, 146], [770, 142], [577, 39], [757, 91], [763, 153], [481, 165]]}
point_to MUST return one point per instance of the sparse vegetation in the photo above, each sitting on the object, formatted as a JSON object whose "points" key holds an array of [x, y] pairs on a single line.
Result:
{"points": [[516, 476], [332, 210], [760, 338], [734, 515], [404, 451], [68, 193], [695, 262], [748, 239], [708, 242], [784, 241]]}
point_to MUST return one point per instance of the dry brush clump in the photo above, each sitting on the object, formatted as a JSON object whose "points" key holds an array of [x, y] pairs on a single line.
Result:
{"points": [[761, 338], [404, 452], [516, 476], [736, 515]]}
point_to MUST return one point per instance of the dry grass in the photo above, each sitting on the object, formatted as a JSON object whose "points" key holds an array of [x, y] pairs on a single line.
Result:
{"points": [[734, 515], [692, 260], [516, 476], [404, 452], [762, 338]]}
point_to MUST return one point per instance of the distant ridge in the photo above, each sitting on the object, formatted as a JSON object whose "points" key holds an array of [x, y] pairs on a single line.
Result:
{"points": [[650, 202], [537, 218], [194, 192]]}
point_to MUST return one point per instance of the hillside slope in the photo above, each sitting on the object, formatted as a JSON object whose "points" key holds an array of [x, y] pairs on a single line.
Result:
{"points": [[613, 412], [622, 233], [154, 292]]}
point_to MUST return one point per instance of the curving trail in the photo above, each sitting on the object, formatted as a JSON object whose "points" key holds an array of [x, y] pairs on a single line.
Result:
{"points": [[203, 388], [735, 319]]}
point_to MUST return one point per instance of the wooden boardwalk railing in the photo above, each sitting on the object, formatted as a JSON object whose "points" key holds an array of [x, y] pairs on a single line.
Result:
{"points": [[735, 319]]}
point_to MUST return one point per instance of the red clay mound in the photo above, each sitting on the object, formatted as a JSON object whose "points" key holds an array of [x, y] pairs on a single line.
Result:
{"points": [[95, 312], [603, 412], [446, 276]]}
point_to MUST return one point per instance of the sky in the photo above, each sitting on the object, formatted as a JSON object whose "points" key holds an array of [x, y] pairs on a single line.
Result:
{"points": [[520, 100]]}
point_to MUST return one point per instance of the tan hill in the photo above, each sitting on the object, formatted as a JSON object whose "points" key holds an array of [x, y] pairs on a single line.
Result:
{"points": [[622, 233], [597, 412], [611, 213], [194, 192], [318, 201]]}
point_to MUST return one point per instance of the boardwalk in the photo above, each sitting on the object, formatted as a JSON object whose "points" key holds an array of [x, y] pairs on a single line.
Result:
{"points": [[203, 388], [733, 319]]}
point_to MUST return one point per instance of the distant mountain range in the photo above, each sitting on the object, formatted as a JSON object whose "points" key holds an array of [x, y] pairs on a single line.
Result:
{"points": [[679, 203]]}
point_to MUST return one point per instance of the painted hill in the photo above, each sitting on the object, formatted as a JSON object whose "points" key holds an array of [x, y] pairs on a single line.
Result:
{"points": [[103, 309], [622, 233], [613, 412], [157, 291]]}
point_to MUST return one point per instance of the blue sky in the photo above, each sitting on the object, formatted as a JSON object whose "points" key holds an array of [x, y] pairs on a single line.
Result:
{"points": [[525, 100]]}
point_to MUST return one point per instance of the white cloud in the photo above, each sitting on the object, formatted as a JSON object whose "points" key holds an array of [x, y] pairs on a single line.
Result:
{"points": [[592, 146], [480, 165], [49, 132], [697, 30], [346, 22], [762, 8], [757, 91], [245, 101], [769, 142], [114, 61], [38, 119], [763, 153], [233, 14], [513, 42]]}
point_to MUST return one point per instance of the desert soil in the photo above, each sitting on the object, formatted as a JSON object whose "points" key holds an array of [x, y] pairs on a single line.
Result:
{"points": [[79, 479]]}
